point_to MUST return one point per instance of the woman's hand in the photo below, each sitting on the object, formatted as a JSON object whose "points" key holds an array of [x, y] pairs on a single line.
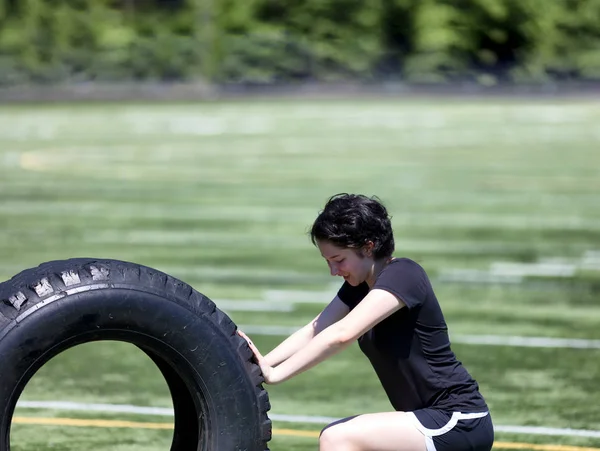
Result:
{"points": [[267, 370]]}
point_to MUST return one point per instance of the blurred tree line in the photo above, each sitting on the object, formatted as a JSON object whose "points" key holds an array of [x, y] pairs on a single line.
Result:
{"points": [[267, 41]]}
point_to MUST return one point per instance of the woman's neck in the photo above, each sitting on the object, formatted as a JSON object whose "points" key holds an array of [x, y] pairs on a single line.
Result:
{"points": [[378, 266]]}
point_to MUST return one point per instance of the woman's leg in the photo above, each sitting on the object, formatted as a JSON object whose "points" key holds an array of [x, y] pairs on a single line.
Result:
{"points": [[393, 431]]}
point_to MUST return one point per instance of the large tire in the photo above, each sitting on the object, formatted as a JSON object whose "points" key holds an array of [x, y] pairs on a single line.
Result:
{"points": [[218, 398]]}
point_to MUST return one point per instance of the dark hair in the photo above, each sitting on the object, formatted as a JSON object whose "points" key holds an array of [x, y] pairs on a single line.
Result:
{"points": [[352, 220]]}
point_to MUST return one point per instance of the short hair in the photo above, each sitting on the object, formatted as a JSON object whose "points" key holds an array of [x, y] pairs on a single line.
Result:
{"points": [[351, 221]]}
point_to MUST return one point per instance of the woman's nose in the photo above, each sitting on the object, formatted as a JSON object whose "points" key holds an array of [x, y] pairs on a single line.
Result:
{"points": [[334, 269]]}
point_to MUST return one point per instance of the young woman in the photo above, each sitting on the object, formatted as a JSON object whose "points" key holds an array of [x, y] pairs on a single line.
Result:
{"points": [[389, 306]]}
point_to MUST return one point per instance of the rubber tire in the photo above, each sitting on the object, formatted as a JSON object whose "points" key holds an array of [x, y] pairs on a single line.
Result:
{"points": [[218, 399]]}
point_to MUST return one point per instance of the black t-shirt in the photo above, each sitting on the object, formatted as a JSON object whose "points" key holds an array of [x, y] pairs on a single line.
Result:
{"points": [[410, 349]]}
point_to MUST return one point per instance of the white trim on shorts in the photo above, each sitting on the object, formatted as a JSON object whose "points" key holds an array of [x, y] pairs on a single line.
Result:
{"points": [[430, 433]]}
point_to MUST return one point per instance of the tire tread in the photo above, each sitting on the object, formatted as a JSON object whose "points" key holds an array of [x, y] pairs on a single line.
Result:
{"points": [[92, 271]]}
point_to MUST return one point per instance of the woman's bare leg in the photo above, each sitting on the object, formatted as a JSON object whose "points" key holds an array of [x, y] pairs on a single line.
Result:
{"points": [[388, 431]]}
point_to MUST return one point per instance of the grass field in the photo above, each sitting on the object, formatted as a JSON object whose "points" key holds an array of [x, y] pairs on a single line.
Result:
{"points": [[498, 199]]}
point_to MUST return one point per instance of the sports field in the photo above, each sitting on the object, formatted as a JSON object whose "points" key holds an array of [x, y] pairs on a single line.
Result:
{"points": [[499, 200]]}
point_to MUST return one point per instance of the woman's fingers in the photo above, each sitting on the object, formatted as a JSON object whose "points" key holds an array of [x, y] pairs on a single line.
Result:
{"points": [[245, 337], [252, 347], [260, 360]]}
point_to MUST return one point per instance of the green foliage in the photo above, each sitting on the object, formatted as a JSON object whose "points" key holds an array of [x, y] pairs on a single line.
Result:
{"points": [[340, 37], [265, 41], [265, 57], [439, 44]]}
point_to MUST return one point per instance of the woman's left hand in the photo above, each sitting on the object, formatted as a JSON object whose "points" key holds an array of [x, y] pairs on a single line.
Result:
{"points": [[267, 370]]}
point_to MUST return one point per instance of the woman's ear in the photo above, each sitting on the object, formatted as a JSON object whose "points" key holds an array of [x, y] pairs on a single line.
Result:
{"points": [[368, 249]]}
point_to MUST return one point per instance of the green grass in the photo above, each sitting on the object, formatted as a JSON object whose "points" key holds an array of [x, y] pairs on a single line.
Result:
{"points": [[222, 195]]}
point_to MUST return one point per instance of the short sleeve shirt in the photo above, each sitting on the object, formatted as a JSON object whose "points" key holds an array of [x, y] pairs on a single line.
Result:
{"points": [[410, 350]]}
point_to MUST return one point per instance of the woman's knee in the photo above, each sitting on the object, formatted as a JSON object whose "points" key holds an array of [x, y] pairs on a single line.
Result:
{"points": [[334, 438]]}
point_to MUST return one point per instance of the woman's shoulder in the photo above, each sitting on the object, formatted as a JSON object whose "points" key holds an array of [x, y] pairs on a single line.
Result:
{"points": [[405, 263], [403, 268], [406, 279]]}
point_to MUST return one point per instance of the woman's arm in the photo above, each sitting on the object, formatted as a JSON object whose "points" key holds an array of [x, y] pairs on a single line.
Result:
{"points": [[334, 311], [376, 306]]}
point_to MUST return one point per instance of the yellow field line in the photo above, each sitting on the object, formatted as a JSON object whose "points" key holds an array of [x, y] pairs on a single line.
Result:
{"points": [[289, 432], [91, 423], [30, 161], [296, 433]]}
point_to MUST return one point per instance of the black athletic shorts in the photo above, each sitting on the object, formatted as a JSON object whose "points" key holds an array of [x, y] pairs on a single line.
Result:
{"points": [[455, 431]]}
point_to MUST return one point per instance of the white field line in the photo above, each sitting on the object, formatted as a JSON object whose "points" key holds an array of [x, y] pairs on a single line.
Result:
{"points": [[179, 237], [423, 116], [252, 305], [223, 273], [478, 276], [548, 123], [208, 272], [301, 296], [157, 210], [161, 411], [116, 408], [204, 237], [529, 342], [514, 272], [182, 155], [549, 118], [481, 340], [266, 214], [232, 272], [196, 237]]}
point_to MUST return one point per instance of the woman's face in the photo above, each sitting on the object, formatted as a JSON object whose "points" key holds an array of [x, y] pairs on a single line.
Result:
{"points": [[346, 262]]}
